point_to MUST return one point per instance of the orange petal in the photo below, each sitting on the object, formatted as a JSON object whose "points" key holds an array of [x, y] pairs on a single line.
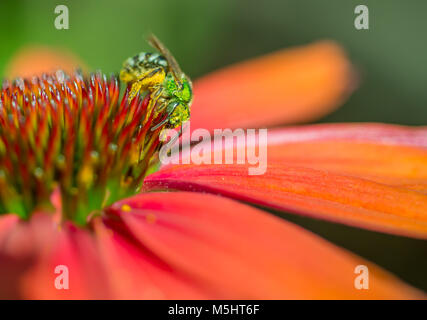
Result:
{"points": [[288, 86], [234, 251], [34, 61], [389, 154], [369, 176]]}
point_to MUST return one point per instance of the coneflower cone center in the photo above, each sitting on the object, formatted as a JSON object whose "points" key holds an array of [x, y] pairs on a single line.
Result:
{"points": [[71, 134]]}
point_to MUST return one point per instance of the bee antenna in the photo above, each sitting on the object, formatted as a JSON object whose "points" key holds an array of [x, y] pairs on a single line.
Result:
{"points": [[173, 64]]}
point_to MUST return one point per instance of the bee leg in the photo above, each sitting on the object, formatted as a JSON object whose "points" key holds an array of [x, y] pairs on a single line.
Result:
{"points": [[170, 108], [155, 95], [136, 87], [174, 139], [150, 79], [161, 123]]}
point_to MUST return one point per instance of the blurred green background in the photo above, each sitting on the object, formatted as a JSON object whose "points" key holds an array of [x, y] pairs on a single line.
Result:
{"points": [[391, 58]]}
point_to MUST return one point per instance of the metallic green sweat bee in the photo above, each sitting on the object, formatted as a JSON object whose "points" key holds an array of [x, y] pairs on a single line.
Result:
{"points": [[161, 75]]}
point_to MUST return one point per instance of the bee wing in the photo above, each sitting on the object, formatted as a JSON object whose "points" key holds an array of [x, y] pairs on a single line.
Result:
{"points": [[173, 65]]}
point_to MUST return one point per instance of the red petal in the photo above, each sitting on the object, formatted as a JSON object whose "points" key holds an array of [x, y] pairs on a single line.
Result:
{"points": [[288, 86], [235, 251], [32, 250], [137, 273], [108, 265], [360, 175], [105, 265]]}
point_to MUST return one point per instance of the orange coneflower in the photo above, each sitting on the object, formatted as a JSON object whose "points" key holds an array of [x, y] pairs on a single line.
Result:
{"points": [[66, 141]]}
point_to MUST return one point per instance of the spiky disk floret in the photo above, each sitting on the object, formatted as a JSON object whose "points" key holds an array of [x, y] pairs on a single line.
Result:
{"points": [[70, 133]]}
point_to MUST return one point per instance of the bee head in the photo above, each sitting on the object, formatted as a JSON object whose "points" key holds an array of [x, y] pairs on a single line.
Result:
{"points": [[182, 89]]}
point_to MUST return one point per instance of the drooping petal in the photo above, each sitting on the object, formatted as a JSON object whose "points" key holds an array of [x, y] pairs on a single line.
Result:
{"points": [[235, 251], [369, 176], [39, 257], [34, 61], [134, 272], [288, 86], [12, 263], [36, 256]]}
